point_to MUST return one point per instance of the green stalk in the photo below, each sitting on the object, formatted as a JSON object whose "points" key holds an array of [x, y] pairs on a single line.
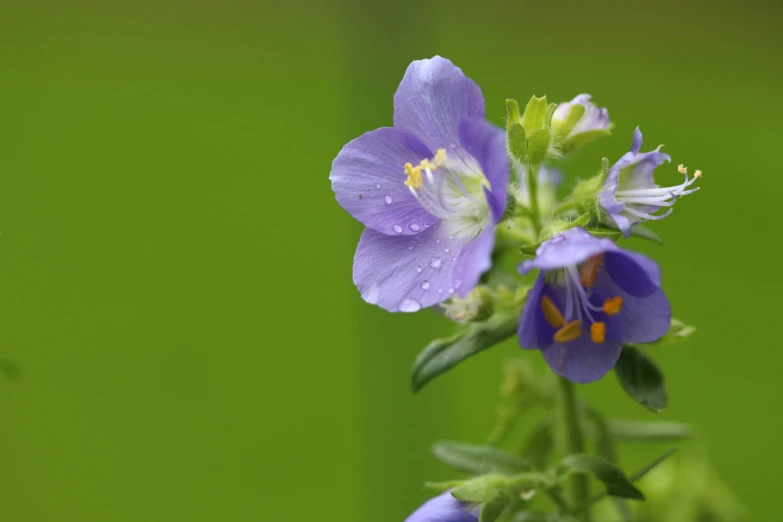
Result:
{"points": [[532, 190], [572, 440]]}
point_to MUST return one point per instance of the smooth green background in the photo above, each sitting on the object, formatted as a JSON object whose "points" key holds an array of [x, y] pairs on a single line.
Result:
{"points": [[175, 273]]}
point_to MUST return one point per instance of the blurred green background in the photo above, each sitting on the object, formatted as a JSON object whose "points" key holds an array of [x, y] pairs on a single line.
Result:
{"points": [[176, 275]]}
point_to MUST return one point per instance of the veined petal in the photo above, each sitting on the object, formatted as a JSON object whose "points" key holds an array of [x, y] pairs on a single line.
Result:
{"points": [[582, 360], [487, 144], [613, 176], [432, 98], [633, 273], [535, 332], [368, 180], [443, 508], [638, 174], [642, 319], [407, 273], [572, 247]]}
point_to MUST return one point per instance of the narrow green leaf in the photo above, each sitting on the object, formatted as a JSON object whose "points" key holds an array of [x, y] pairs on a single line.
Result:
{"points": [[443, 354], [478, 459], [532, 516], [643, 232], [605, 446], [635, 477], [628, 431], [443, 486], [641, 378], [492, 510], [617, 485], [540, 444]]}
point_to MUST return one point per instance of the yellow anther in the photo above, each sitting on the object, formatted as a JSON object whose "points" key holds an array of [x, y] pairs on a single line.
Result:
{"points": [[440, 157], [414, 176], [552, 313], [598, 332], [569, 332], [589, 271], [697, 174], [682, 169], [613, 305], [427, 164]]}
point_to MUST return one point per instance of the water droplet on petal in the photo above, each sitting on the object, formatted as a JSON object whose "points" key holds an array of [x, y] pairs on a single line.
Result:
{"points": [[409, 306], [451, 290], [440, 290], [425, 285], [451, 237], [418, 269], [435, 262], [372, 294], [414, 227], [378, 185], [457, 283], [446, 250], [454, 258], [558, 238], [437, 240], [410, 247], [387, 199], [397, 229]]}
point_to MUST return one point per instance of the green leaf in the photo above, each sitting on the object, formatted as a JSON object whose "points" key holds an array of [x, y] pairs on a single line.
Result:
{"points": [[617, 485], [641, 378], [643, 232], [538, 146], [605, 443], [481, 489], [628, 431], [492, 510], [540, 444], [478, 459], [443, 486], [443, 354], [517, 141]]}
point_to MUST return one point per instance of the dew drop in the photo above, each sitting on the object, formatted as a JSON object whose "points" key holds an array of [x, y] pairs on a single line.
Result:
{"points": [[558, 238], [414, 227], [397, 229], [440, 290], [378, 185], [410, 247], [454, 258], [418, 269], [425, 285], [435, 262], [451, 290], [372, 294], [437, 240], [387, 199], [451, 237], [457, 283], [446, 250], [409, 306]]}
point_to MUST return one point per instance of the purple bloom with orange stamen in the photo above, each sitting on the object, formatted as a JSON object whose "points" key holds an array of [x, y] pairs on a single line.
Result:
{"points": [[590, 298], [430, 191], [630, 195], [444, 508]]}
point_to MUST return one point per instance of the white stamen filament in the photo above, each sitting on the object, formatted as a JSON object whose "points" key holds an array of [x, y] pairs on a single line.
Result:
{"points": [[443, 194]]}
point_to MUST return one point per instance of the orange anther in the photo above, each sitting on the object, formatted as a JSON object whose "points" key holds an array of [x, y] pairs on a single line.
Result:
{"points": [[589, 271], [598, 332], [613, 305], [568, 332], [552, 313]]}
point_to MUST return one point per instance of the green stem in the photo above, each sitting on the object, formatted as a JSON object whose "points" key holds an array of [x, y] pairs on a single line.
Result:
{"points": [[532, 190], [564, 207], [571, 439]]}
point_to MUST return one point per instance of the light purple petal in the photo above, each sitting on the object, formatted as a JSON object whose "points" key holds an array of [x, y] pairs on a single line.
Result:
{"points": [[613, 176], [432, 98], [594, 118], [487, 144], [572, 247], [634, 273], [622, 222], [406, 273], [368, 179], [581, 360], [641, 320], [638, 174], [443, 508]]}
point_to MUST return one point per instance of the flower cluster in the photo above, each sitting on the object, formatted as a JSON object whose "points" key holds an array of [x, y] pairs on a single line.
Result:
{"points": [[443, 193]]}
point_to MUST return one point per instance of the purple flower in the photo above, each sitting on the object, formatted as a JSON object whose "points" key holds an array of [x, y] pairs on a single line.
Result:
{"points": [[590, 298], [629, 193], [443, 508], [429, 190], [575, 131]]}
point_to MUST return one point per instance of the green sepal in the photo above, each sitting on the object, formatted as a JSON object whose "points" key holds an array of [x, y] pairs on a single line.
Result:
{"points": [[582, 138], [512, 112], [537, 146], [486, 488], [492, 510], [479, 459], [517, 142], [445, 485], [678, 332], [641, 378], [443, 354], [617, 485], [534, 117], [563, 127]]}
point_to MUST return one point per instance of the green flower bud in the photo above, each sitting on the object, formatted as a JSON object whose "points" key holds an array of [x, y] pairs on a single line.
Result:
{"points": [[477, 306]]}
